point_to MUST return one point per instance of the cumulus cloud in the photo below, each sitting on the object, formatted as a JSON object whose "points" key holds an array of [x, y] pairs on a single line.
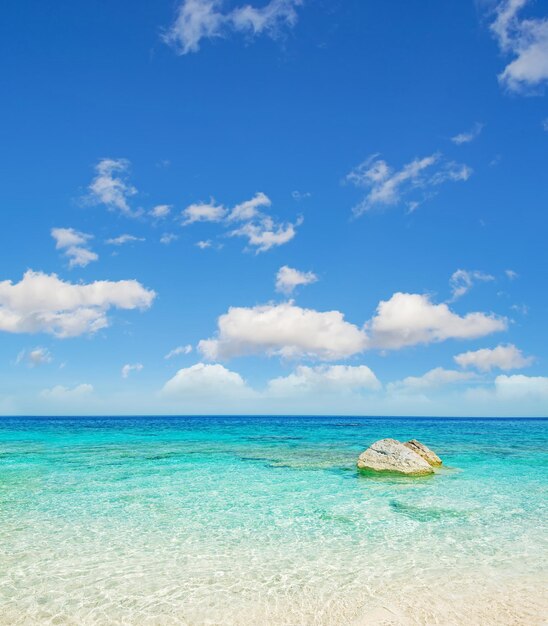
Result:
{"points": [[44, 303], [206, 380], [388, 187], [286, 330], [203, 212], [433, 379], [111, 187], [204, 19], [462, 281], [408, 319], [520, 386], [160, 211], [468, 135], [131, 367], [204, 244], [74, 245], [178, 351], [504, 357], [526, 41], [123, 239], [325, 379], [290, 331], [34, 358], [288, 278], [61, 393]]}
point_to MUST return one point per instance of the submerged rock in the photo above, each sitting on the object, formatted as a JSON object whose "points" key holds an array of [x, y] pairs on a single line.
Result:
{"points": [[389, 455], [428, 455]]}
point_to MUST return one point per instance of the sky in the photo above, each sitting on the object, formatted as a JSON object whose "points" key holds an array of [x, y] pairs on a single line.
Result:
{"points": [[274, 207]]}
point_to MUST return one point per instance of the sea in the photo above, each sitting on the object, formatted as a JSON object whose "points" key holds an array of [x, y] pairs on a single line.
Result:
{"points": [[251, 521]]}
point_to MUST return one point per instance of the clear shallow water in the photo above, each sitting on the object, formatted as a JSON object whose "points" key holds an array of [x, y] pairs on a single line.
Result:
{"points": [[250, 521]]}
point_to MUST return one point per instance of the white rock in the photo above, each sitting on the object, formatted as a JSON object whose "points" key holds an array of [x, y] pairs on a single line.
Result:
{"points": [[389, 455], [428, 455]]}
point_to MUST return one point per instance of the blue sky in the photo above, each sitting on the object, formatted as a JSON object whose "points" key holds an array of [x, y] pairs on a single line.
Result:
{"points": [[276, 207]]}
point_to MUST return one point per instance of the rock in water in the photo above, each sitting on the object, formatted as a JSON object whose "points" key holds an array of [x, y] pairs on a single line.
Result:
{"points": [[389, 455], [430, 457]]}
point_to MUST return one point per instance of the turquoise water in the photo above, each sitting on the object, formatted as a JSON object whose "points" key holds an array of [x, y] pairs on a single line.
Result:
{"points": [[266, 521]]}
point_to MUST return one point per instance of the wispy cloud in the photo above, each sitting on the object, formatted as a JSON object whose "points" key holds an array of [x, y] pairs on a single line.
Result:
{"points": [[178, 351], [34, 358], [131, 367], [204, 19], [524, 39], [265, 233], [388, 186], [123, 239], [433, 379], [511, 274], [468, 135], [111, 187], [168, 238], [247, 219], [462, 281], [74, 245], [160, 211]]}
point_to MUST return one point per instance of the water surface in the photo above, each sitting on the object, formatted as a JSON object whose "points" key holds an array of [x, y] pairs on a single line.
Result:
{"points": [[262, 520]]}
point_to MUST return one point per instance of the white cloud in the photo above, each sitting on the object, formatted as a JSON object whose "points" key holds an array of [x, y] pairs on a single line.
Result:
{"points": [[204, 244], [409, 319], [526, 40], [286, 330], [123, 239], [74, 245], [288, 278], [111, 187], [300, 195], [131, 367], [203, 19], [325, 379], [293, 332], [511, 275], [433, 379], [520, 386], [249, 209], [37, 356], [387, 187], [60, 393], [203, 212], [462, 281], [545, 124], [45, 303], [261, 230], [205, 380], [160, 211], [167, 238], [468, 135], [504, 357], [265, 233], [179, 350]]}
